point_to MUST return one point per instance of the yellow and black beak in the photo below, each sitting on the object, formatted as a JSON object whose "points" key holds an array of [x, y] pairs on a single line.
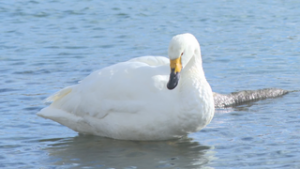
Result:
{"points": [[176, 67]]}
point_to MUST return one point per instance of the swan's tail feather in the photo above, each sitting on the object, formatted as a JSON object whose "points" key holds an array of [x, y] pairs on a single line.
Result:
{"points": [[65, 101], [58, 95], [56, 114], [65, 118], [63, 107]]}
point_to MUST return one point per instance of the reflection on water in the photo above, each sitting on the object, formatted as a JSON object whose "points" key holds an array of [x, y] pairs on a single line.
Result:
{"points": [[246, 96], [92, 151]]}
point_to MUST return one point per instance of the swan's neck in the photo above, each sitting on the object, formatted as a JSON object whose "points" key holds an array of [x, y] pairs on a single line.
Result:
{"points": [[196, 95], [192, 76]]}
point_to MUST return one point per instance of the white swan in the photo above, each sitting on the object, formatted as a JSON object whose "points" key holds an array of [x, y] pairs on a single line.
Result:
{"points": [[131, 100]]}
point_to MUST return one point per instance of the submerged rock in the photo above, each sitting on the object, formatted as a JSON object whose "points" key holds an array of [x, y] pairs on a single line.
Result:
{"points": [[237, 98]]}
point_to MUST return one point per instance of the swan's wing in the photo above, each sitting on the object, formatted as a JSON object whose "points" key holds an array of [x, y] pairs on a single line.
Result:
{"points": [[122, 88], [151, 60]]}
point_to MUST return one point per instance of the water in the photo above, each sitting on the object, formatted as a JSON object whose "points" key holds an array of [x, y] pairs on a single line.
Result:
{"points": [[47, 45]]}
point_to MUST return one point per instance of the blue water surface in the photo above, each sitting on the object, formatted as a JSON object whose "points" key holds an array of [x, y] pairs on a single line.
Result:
{"points": [[246, 45]]}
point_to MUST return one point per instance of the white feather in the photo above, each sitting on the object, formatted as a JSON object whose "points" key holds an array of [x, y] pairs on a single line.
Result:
{"points": [[130, 101]]}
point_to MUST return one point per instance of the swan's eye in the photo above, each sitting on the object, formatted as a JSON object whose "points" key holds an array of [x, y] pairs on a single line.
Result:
{"points": [[181, 54]]}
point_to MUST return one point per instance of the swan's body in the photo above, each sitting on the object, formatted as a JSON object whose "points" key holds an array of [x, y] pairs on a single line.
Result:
{"points": [[131, 101]]}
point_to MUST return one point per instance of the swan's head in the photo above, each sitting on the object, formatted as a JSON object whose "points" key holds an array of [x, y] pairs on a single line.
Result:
{"points": [[182, 49]]}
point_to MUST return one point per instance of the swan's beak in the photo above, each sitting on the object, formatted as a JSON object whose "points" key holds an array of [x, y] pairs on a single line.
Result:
{"points": [[176, 67]]}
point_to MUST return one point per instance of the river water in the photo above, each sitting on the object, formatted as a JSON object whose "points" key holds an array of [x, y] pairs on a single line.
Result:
{"points": [[47, 45]]}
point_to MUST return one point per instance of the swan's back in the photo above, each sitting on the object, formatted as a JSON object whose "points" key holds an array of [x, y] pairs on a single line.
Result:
{"points": [[124, 93]]}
